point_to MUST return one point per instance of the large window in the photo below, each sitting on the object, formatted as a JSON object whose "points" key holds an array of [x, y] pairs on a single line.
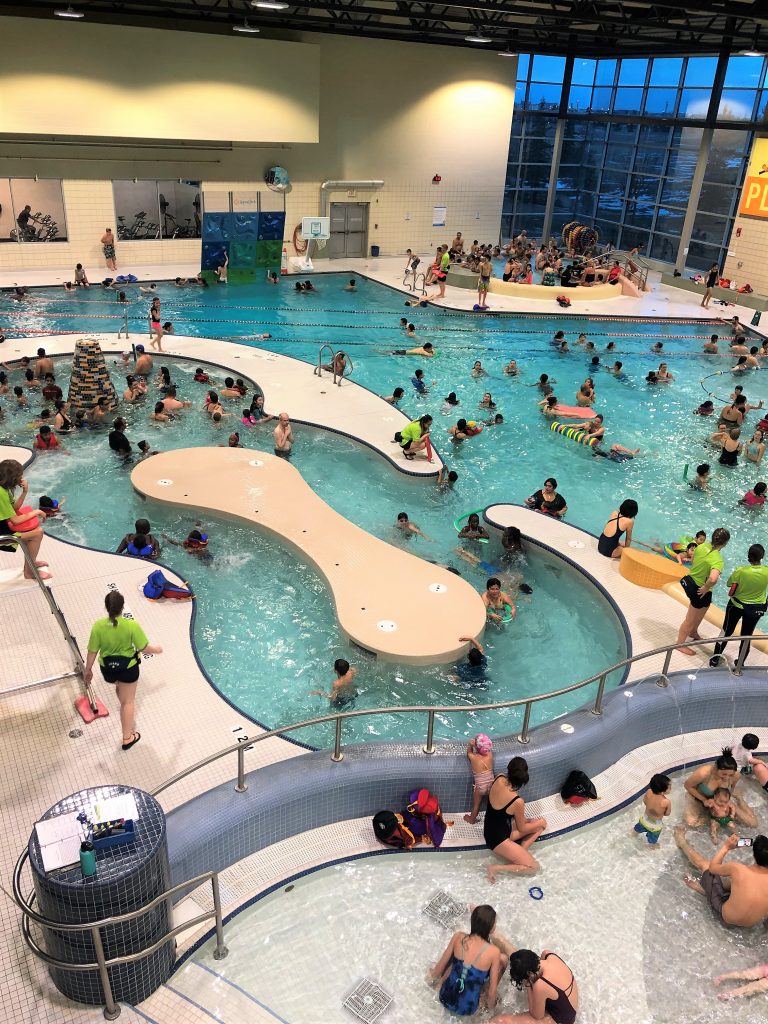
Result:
{"points": [[148, 210], [629, 173], [32, 210]]}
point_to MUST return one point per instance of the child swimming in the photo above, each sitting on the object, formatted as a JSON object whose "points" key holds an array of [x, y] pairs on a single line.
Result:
{"points": [[343, 690], [480, 757]]}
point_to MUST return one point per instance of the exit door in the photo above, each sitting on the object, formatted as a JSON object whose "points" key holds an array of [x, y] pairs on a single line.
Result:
{"points": [[349, 230]]}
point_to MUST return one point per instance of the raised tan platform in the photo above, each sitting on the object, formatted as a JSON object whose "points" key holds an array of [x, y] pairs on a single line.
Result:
{"points": [[539, 291], [388, 601], [649, 570]]}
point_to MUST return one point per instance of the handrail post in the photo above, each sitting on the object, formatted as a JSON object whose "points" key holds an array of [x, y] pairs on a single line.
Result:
{"points": [[663, 679], [111, 1008], [429, 746], [221, 950], [598, 708], [524, 737], [337, 754], [242, 785], [738, 668]]}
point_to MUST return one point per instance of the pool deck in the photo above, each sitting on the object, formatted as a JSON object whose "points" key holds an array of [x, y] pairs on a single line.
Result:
{"points": [[388, 601], [289, 385]]}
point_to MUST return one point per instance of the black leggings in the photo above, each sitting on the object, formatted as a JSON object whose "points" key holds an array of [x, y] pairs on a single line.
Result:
{"points": [[749, 616]]}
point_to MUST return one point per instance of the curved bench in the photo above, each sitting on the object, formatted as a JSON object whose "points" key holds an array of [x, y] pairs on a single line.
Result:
{"points": [[646, 569]]}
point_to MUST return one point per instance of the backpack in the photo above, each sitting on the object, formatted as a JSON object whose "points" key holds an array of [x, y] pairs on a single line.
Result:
{"points": [[577, 788], [389, 829], [424, 818], [564, 301]]}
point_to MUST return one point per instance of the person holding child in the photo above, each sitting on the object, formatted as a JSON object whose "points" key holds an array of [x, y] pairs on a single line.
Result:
{"points": [[507, 832]]}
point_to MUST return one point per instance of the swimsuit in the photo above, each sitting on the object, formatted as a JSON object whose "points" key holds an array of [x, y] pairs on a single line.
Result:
{"points": [[705, 790], [497, 827], [729, 458], [484, 781], [651, 827], [607, 545], [460, 992], [109, 251], [560, 1009], [725, 821]]}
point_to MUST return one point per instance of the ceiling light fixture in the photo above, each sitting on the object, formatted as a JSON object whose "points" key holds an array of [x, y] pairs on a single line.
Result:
{"points": [[70, 12], [750, 53], [269, 5], [246, 29], [506, 53], [477, 39]]}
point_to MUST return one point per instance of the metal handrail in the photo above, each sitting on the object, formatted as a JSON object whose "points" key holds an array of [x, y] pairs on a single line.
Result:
{"points": [[58, 615], [337, 378], [318, 370], [102, 964], [429, 747]]}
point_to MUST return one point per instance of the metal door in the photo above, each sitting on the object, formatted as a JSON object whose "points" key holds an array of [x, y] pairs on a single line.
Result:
{"points": [[349, 230]]}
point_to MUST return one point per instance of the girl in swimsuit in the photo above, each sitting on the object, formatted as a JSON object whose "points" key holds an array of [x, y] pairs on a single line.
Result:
{"points": [[755, 449], [468, 964], [621, 521], [553, 995], [506, 829]]}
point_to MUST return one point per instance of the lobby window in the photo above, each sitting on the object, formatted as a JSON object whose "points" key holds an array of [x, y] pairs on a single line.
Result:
{"points": [[32, 210], [150, 210]]}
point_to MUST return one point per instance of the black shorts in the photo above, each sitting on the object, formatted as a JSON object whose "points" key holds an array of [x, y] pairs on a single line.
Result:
{"points": [[441, 277], [407, 444], [129, 675], [691, 587]]}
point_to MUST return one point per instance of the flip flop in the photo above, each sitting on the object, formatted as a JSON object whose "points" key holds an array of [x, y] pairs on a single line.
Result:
{"points": [[134, 741]]}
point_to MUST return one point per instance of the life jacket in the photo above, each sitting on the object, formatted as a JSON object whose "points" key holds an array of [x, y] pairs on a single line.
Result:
{"points": [[564, 301], [197, 545], [158, 586], [144, 552], [390, 830]]}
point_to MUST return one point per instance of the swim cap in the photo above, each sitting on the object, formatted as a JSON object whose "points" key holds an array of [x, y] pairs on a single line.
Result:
{"points": [[139, 348], [483, 743]]}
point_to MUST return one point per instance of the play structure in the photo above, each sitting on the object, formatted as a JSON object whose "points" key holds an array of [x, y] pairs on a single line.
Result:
{"points": [[252, 242], [579, 238], [90, 378]]}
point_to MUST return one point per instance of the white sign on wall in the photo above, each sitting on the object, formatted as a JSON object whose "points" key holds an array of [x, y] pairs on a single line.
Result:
{"points": [[439, 214]]}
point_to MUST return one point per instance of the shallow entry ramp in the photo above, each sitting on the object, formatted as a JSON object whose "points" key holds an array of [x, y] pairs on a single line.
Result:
{"points": [[390, 602]]}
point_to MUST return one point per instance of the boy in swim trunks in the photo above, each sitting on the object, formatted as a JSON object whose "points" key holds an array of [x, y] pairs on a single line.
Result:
{"points": [[343, 691], [722, 813], [657, 807]]}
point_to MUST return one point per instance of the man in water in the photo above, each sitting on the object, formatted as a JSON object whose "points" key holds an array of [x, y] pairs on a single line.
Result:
{"points": [[143, 365], [283, 434], [738, 893]]}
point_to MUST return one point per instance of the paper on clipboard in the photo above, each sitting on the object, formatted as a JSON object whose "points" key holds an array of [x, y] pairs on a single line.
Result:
{"points": [[59, 839], [123, 806]]}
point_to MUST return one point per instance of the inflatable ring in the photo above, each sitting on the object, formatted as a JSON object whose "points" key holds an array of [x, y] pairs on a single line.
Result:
{"points": [[27, 525], [507, 616], [536, 893], [459, 522]]}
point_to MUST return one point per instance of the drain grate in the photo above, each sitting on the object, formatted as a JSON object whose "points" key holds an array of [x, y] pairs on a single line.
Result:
{"points": [[367, 1001], [444, 909]]}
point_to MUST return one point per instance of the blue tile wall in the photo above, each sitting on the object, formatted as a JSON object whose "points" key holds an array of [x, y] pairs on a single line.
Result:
{"points": [[127, 877], [222, 826]]}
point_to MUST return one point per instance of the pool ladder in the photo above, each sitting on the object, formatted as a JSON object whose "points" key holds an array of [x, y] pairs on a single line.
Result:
{"points": [[411, 281], [337, 378]]}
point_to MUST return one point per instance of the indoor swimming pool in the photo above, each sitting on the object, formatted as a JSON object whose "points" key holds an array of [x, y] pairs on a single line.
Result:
{"points": [[303, 948], [257, 606]]}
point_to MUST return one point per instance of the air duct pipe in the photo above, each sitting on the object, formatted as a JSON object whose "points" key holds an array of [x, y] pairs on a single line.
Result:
{"points": [[333, 186]]}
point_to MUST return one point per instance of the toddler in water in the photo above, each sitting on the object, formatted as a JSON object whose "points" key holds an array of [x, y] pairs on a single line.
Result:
{"points": [[480, 757], [722, 813], [758, 976], [657, 807]]}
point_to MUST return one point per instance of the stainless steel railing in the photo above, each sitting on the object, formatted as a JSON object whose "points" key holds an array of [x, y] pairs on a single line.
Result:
{"points": [[101, 964], [337, 377], [79, 668], [527, 703]]}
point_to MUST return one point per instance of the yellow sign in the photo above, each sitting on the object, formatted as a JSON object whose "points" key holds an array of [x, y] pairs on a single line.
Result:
{"points": [[754, 196]]}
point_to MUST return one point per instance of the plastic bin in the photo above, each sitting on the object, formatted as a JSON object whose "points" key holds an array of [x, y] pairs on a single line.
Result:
{"points": [[374, 250]]}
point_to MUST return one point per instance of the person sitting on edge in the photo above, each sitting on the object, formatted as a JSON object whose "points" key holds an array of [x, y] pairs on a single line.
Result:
{"points": [[343, 690]]}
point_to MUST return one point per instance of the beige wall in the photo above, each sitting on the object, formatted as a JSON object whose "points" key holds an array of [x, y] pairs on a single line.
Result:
{"points": [[65, 78], [748, 264], [390, 111]]}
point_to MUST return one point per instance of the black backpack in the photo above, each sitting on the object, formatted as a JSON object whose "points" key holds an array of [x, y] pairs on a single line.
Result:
{"points": [[390, 829], [577, 788]]}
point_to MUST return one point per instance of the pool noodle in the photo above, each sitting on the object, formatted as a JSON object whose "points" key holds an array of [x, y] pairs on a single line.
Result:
{"points": [[574, 434]]}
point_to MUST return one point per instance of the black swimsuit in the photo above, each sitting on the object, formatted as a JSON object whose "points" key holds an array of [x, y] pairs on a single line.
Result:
{"points": [[607, 545], [497, 827], [560, 1009], [729, 458]]}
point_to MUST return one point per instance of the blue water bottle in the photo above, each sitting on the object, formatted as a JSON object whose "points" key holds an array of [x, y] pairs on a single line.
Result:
{"points": [[87, 859]]}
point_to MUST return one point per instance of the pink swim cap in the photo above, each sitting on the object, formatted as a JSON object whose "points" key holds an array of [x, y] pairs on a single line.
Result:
{"points": [[483, 743]]}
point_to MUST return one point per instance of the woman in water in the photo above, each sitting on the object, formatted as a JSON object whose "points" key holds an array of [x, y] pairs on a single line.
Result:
{"points": [[553, 995], [755, 449], [701, 785], [395, 398], [61, 421], [477, 369], [619, 522], [547, 500], [469, 964], [729, 456], [507, 832], [487, 401]]}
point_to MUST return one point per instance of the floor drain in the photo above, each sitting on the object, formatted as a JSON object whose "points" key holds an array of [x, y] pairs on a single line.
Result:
{"points": [[444, 909], [368, 1001], [74, 733]]}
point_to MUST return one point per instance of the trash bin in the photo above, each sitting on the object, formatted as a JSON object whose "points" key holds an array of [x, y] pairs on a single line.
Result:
{"points": [[374, 250]]}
